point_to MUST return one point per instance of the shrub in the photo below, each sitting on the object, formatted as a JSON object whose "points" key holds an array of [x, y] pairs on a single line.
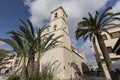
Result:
{"points": [[40, 77], [44, 76], [33, 77], [47, 72], [14, 77]]}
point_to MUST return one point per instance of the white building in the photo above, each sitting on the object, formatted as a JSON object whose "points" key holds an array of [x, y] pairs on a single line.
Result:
{"points": [[66, 54], [110, 42]]}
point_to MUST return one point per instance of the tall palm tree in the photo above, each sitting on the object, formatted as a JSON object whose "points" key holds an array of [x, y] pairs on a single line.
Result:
{"points": [[28, 43], [23, 43], [94, 26], [38, 43], [45, 42], [28, 37]]}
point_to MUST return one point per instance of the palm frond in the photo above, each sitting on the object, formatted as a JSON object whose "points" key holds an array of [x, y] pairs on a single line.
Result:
{"points": [[31, 28], [102, 16], [47, 40], [96, 17], [13, 44], [54, 42], [23, 23]]}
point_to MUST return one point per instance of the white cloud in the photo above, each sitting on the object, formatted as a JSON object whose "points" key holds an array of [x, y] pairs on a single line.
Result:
{"points": [[76, 9]]}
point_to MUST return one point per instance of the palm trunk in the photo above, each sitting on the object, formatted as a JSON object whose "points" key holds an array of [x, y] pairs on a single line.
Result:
{"points": [[37, 64], [24, 72], [106, 57], [97, 56], [30, 65]]}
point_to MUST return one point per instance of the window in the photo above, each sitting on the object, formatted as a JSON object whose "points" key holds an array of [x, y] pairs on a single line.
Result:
{"points": [[104, 37], [55, 26], [115, 34], [56, 15], [109, 49]]}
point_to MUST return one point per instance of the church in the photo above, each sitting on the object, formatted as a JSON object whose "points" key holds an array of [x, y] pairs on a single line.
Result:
{"points": [[70, 61]]}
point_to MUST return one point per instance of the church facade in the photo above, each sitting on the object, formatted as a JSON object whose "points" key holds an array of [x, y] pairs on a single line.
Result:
{"points": [[69, 59]]}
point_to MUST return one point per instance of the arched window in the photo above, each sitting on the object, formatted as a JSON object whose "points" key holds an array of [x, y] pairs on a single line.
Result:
{"points": [[56, 15], [55, 27]]}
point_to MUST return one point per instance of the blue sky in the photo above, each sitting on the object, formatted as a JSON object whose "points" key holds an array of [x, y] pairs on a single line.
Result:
{"points": [[10, 12], [38, 11]]}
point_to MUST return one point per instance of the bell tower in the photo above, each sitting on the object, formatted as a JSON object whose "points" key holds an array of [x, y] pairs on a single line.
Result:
{"points": [[59, 26]]}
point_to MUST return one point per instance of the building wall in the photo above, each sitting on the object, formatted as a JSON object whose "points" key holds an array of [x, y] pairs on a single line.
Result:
{"points": [[68, 71], [78, 60], [65, 58], [53, 55], [110, 41]]}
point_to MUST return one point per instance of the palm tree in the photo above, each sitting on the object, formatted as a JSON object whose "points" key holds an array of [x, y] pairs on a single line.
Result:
{"points": [[38, 43], [94, 26], [27, 43], [23, 42], [27, 37], [28, 33], [45, 42]]}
